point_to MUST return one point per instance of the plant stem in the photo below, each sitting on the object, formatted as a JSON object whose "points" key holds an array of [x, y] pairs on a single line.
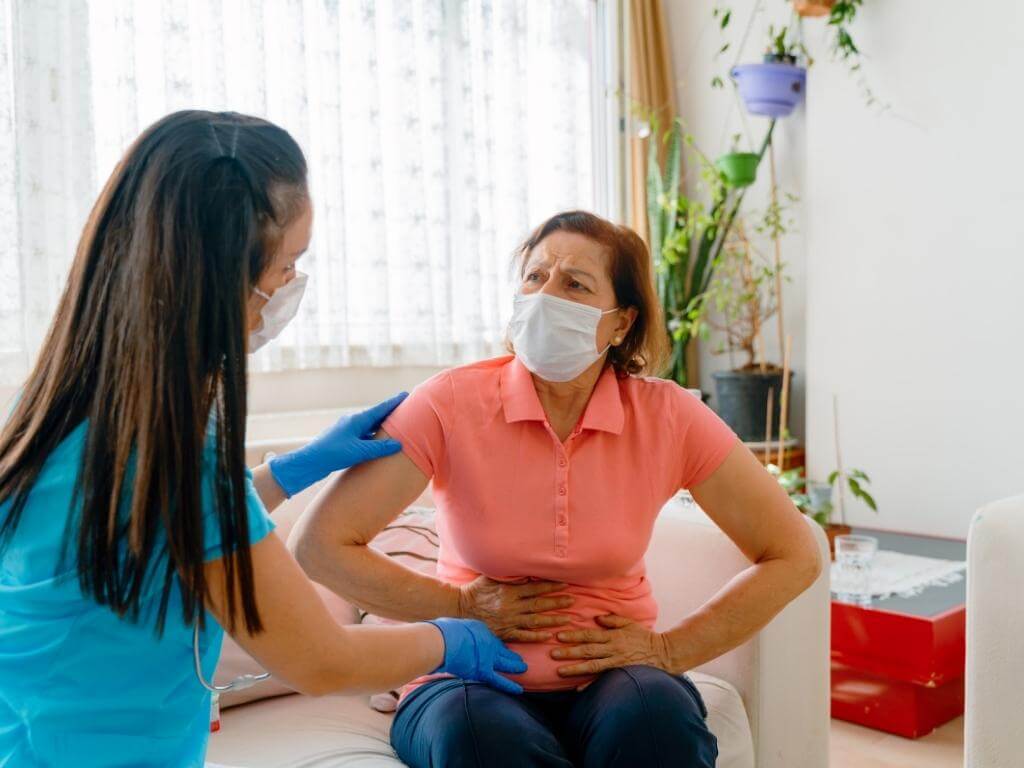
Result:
{"points": [[778, 249], [784, 403], [840, 476], [739, 198]]}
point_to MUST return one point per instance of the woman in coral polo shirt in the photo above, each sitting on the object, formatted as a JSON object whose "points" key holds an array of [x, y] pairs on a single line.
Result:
{"points": [[549, 468]]}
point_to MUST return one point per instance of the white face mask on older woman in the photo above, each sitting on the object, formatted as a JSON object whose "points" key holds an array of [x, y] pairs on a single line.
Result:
{"points": [[555, 338]]}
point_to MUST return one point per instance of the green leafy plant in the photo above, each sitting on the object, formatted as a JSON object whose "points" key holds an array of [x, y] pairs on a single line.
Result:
{"points": [[686, 234], [794, 483], [845, 50], [784, 43], [840, 18], [744, 292], [856, 480], [722, 15]]}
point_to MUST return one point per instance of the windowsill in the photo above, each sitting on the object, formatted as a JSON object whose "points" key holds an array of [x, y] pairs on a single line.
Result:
{"points": [[292, 406]]}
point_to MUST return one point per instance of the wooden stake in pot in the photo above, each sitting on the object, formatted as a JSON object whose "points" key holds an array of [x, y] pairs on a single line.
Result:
{"points": [[784, 403], [840, 475], [768, 427]]}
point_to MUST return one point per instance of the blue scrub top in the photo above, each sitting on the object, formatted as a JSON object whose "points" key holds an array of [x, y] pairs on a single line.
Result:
{"points": [[78, 685]]}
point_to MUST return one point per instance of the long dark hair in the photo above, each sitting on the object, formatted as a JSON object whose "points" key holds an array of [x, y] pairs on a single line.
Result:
{"points": [[148, 345]]}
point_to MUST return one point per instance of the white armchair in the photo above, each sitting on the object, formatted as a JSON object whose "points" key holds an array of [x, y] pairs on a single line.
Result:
{"points": [[995, 626], [768, 700], [782, 674]]}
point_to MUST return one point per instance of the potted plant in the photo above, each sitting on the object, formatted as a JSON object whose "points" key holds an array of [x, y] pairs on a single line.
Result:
{"points": [[812, 8], [741, 299], [686, 234], [738, 168], [775, 87], [815, 499]]}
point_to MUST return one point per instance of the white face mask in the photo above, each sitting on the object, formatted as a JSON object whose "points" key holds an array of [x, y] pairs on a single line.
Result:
{"points": [[555, 338], [279, 310]]}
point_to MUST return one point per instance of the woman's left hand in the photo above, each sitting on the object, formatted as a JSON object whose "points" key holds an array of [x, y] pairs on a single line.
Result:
{"points": [[621, 643]]}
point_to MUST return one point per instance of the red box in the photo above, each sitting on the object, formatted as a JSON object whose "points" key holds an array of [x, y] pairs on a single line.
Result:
{"points": [[898, 665]]}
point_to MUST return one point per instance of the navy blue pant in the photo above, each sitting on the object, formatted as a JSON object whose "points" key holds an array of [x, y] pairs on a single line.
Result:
{"points": [[631, 716]]}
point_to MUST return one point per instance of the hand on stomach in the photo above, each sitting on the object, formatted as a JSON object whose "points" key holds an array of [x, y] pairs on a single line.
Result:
{"points": [[529, 616]]}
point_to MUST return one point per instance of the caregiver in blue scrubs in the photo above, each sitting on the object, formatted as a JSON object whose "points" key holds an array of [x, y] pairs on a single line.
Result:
{"points": [[127, 515]]}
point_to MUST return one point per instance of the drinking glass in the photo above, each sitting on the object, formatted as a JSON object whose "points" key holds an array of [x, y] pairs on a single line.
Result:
{"points": [[853, 559]]}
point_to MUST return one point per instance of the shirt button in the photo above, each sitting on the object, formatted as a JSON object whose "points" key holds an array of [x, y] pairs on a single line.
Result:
{"points": [[561, 490], [561, 462], [561, 521], [560, 551]]}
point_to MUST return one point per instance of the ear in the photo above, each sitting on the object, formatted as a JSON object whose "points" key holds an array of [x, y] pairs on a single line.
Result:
{"points": [[626, 319]]}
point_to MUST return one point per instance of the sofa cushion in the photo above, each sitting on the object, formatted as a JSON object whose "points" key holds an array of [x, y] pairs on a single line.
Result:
{"points": [[294, 731]]}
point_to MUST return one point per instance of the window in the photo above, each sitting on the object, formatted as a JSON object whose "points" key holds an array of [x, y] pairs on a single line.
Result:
{"points": [[437, 134]]}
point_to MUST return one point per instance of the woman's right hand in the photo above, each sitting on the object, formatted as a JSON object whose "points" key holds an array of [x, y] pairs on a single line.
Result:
{"points": [[515, 612]]}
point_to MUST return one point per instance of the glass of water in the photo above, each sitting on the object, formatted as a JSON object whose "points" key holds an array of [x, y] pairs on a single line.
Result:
{"points": [[853, 559]]}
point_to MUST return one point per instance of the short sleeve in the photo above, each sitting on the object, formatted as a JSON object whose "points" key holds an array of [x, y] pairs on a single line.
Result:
{"points": [[707, 440], [259, 520], [421, 423]]}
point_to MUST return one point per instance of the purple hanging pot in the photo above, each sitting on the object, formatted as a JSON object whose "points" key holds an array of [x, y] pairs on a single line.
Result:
{"points": [[772, 89]]}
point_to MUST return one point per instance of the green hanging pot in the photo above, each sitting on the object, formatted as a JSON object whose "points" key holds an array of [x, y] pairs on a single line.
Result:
{"points": [[739, 168]]}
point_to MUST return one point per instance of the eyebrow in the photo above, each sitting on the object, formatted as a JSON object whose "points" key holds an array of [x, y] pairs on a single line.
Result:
{"points": [[578, 272]]}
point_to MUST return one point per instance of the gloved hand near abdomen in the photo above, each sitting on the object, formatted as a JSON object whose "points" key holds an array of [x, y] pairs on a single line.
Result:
{"points": [[472, 652]]}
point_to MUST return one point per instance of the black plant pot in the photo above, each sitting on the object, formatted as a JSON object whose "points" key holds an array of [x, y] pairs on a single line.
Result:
{"points": [[779, 58], [742, 400]]}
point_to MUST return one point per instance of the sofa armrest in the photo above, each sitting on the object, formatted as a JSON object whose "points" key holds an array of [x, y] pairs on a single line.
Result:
{"points": [[995, 625], [782, 673]]}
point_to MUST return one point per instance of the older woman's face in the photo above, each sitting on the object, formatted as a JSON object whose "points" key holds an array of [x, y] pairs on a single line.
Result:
{"points": [[574, 267]]}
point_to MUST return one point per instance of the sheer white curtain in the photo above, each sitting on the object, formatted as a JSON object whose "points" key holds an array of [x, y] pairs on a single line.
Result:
{"points": [[438, 132]]}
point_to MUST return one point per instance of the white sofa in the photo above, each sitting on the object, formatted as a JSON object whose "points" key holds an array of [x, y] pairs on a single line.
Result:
{"points": [[768, 700], [995, 626]]}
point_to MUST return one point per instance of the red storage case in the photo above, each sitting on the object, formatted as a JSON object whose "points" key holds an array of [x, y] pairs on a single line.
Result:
{"points": [[898, 664]]}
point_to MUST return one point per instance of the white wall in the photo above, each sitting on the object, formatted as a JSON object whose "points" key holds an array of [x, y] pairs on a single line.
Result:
{"points": [[915, 277], [913, 226], [712, 116]]}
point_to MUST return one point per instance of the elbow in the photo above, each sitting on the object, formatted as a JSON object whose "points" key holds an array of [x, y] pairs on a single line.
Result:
{"points": [[303, 548], [809, 564], [309, 551]]}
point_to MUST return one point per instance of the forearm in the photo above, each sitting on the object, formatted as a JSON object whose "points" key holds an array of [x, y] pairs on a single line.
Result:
{"points": [[362, 659], [741, 608], [376, 583], [269, 491]]}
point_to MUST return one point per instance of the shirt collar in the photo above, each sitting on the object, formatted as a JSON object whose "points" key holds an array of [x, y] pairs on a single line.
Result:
{"points": [[520, 403]]}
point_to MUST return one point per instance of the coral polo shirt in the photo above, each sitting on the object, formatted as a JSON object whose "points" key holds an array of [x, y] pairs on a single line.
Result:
{"points": [[514, 502]]}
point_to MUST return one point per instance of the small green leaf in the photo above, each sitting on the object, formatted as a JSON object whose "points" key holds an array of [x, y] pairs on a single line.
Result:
{"points": [[833, 477], [725, 19]]}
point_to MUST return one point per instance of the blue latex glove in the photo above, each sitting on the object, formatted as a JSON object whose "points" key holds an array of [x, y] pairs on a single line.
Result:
{"points": [[347, 443], [472, 652]]}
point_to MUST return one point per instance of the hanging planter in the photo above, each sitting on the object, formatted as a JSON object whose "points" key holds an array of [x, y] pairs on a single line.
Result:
{"points": [[813, 7], [774, 88], [738, 168]]}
